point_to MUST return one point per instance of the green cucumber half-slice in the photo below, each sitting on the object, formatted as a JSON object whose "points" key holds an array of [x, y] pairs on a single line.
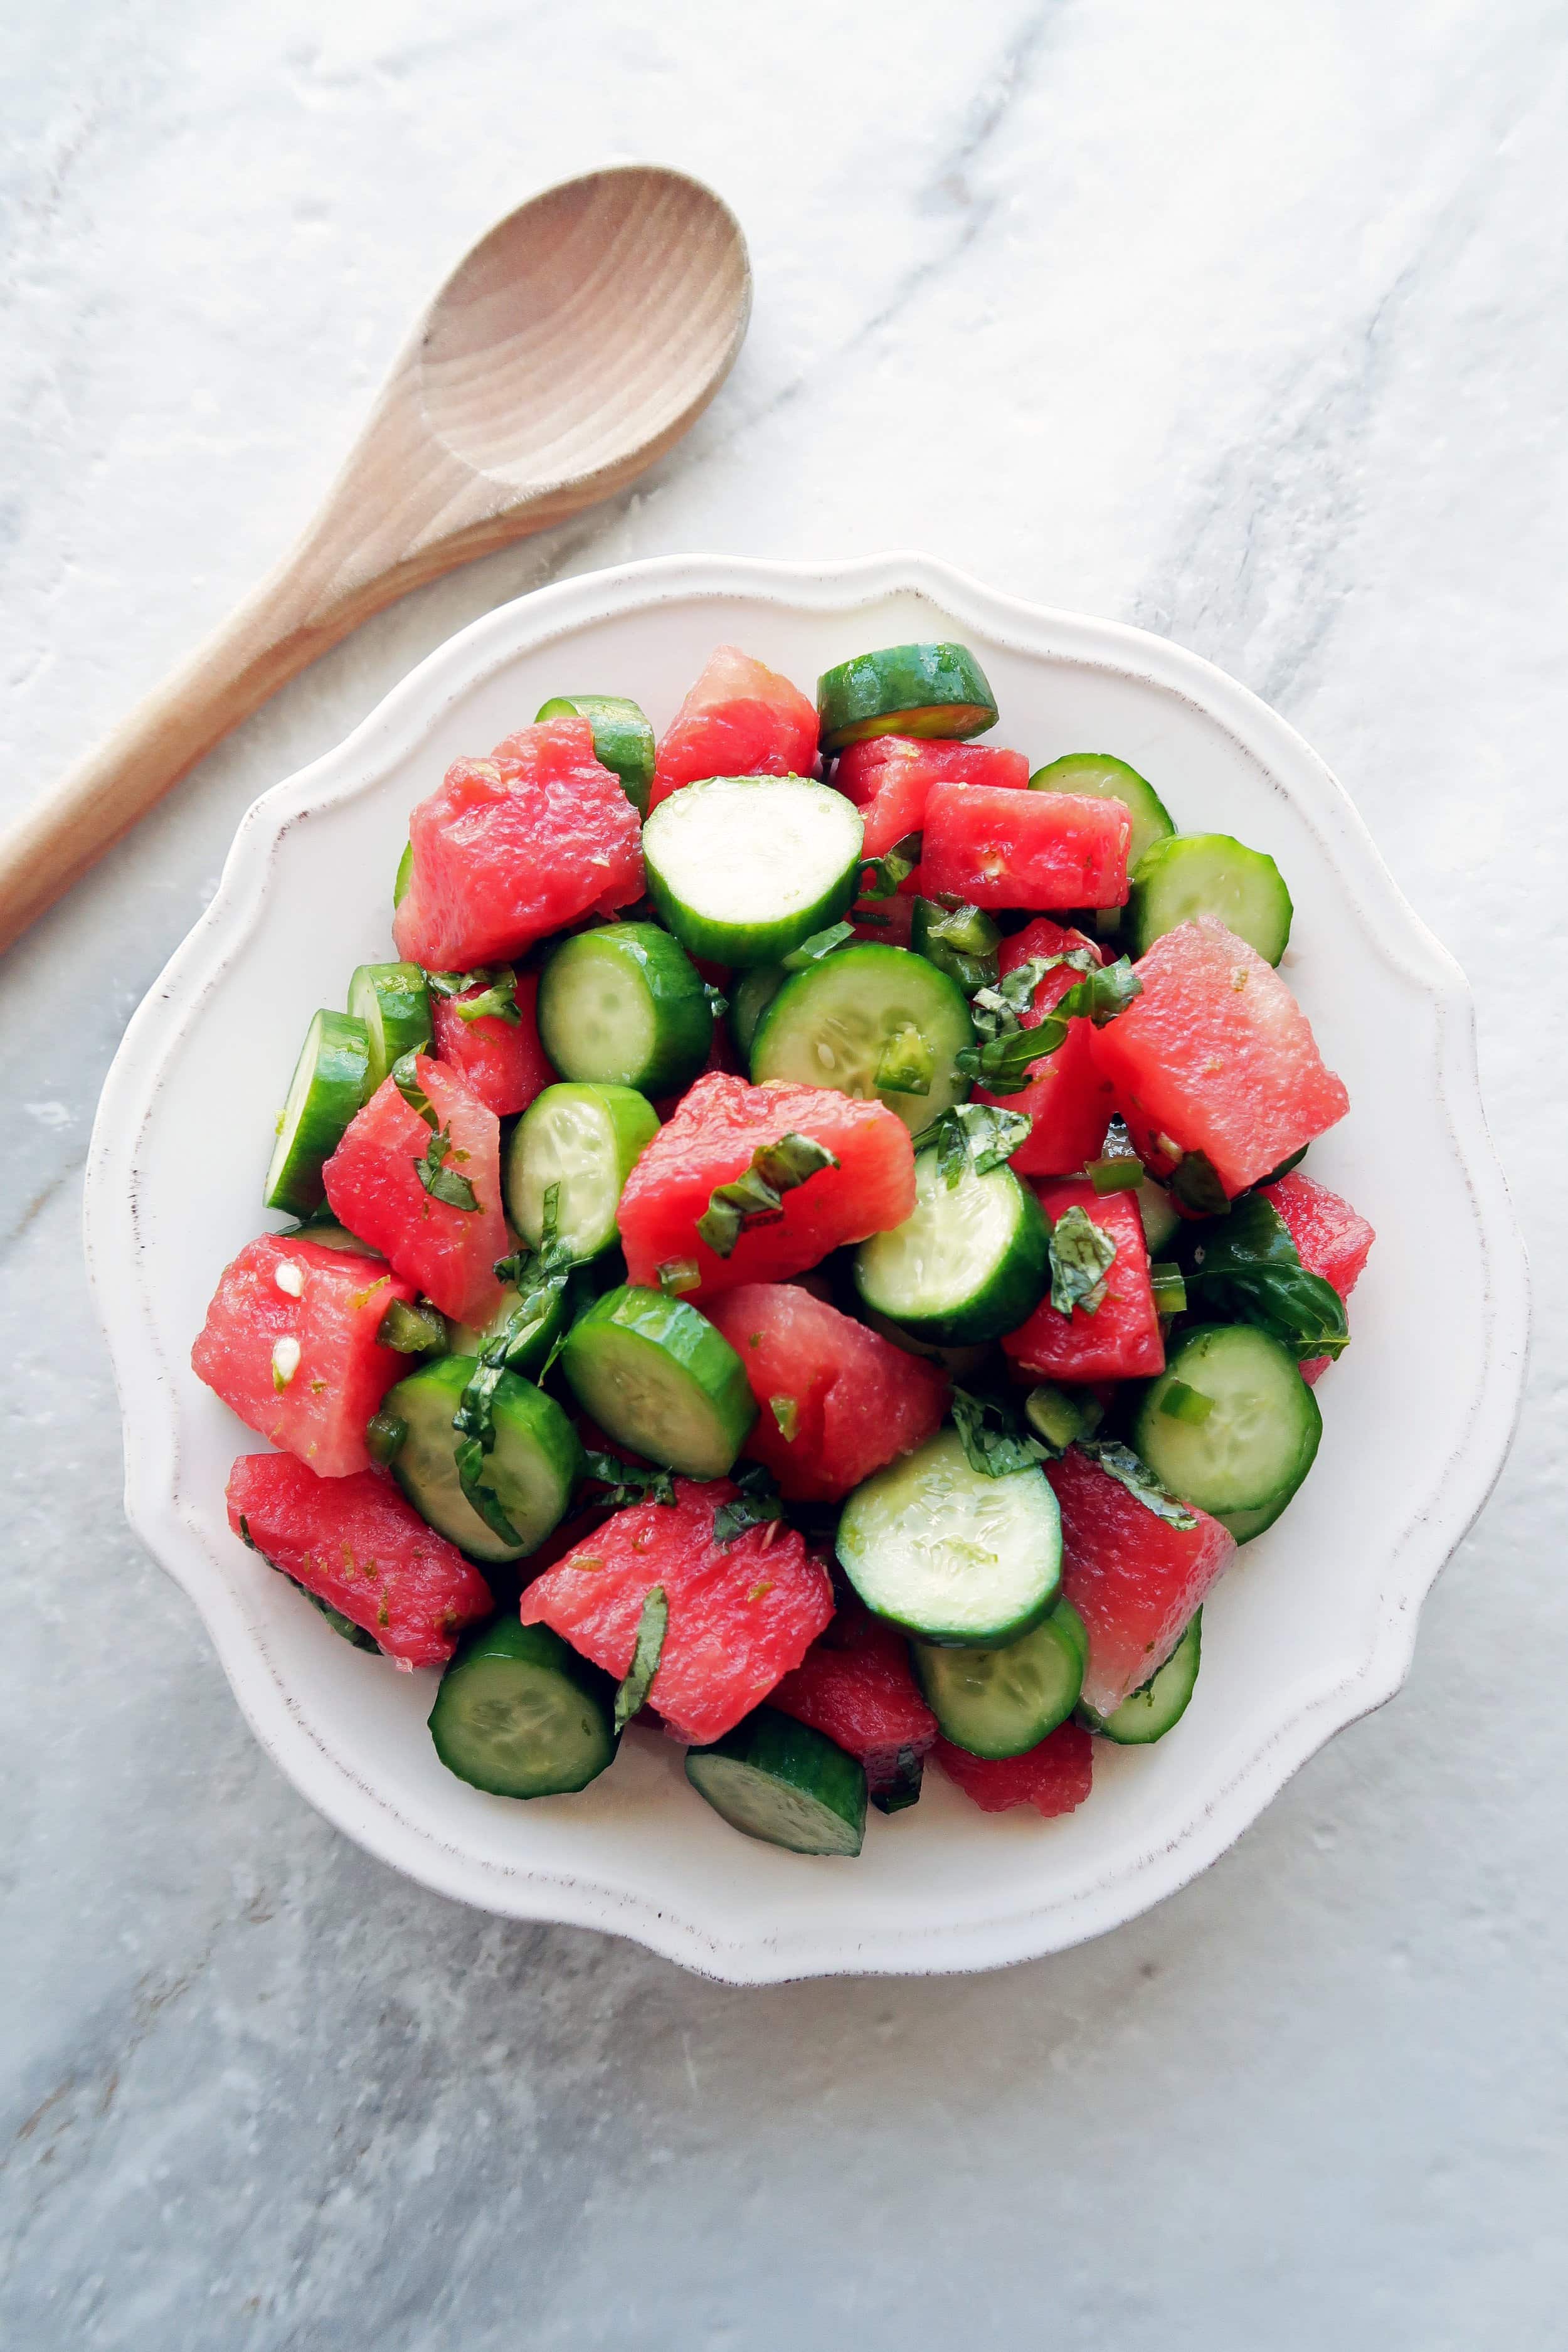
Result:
{"points": [[623, 739], [324, 1095], [394, 1002], [743, 868], [657, 1377], [1004, 1702], [531, 1470], [750, 999], [781, 1782], [1098, 776], [520, 1714], [938, 690], [971, 1262], [954, 1557], [582, 1140], [862, 1019], [624, 1005], [1149, 1712], [1208, 874], [1258, 1440]]}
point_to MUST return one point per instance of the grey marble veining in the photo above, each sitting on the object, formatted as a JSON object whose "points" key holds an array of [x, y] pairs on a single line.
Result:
{"points": [[1242, 323]]}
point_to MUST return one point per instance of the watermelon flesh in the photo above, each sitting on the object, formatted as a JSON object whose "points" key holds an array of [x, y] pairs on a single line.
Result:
{"points": [[1025, 849], [739, 720], [889, 777], [854, 1685], [314, 1396], [1217, 1056], [508, 849], [1120, 1340], [1331, 1239], [1053, 1778], [709, 1140], [1068, 1099], [1133, 1579], [739, 1616], [358, 1546], [447, 1252], [501, 1063], [851, 1400]]}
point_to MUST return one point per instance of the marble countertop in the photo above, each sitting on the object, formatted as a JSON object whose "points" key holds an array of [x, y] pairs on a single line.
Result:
{"points": [[1244, 324]]}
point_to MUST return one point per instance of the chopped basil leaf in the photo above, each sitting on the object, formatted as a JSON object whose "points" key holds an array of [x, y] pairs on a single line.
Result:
{"points": [[652, 1626], [906, 1065], [337, 1621], [629, 1482], [756, 1501], [496, 1001], [717, 1002], [976, 1135], [992, 1442], [1103, 992], [406, 1079], [756, 1198], [470, 1458], [1250, 1270], [413, 1330], [1196, 1186], [245, 1535], [1119, 1461], [820, 944], [958, 939], [444, 1183], [1082, 1254], [880, 876]]}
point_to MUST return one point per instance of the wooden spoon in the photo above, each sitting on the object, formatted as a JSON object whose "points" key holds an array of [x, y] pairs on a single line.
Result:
{"points": [[570, 349]]}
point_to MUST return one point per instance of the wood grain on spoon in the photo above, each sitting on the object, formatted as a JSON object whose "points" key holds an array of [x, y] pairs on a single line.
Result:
{"points": [[569, 349]]}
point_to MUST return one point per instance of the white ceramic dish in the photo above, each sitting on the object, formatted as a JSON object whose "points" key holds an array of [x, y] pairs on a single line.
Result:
{"points": [[1313, 1628]]}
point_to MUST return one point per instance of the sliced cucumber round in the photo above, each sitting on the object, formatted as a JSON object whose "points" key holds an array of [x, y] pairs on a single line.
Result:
{"points": [[623, 739], [743, 868], [657, 1377], [624, 1005], [520, 1714], [536, 1459], [1004, 1702], [394, 1002], [750, 999], [1208, 874], [781, 1782], [938, 690], [324, 1096], [404, 877], [954, 1557], [582, 1140], [1097, 776], [862, 1018], [971, 1262], [1161, 1701], [1257, 1441]]}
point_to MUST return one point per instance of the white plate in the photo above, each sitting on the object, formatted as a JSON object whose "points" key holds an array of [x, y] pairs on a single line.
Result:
{"points": [[1314, 1626]]}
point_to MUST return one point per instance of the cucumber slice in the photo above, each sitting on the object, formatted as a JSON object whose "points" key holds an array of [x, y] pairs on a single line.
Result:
{"points": [[584, 1140], [624, 1005], [623, 740], [1004, 1702], [1208, 874], [520, 1714], [781, 1782], [743, 868], [536, 1459], [925, 690], [841, 1021], [971, 1262], [324, 1095], [1098, 777], [750, 999], [404, 877], [954, 1557], [1258, 1441], [657, 1377], [394, 1002], [1245, 1525], [468, 1340], [1161, 1701]]}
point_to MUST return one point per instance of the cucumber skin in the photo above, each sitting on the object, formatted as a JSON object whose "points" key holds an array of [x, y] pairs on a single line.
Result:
{"points": [[1066, 1630], [1146, 1432], [294, 1182], [680, 1004], [403, 1000], [872, 693], [1142, 926], [1126, 1728], [1011, 1296], [677, 1330], [534, 1645], [623, 739], [803, 1759], [750, 999], [743, 946]]}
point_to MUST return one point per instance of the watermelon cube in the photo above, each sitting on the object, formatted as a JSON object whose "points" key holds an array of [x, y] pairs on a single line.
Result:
{"points": [[375, 1189], [834, 1402], [889, 777], [1025, 849], [854, 1686], [1134, 1580], [289, 1344], [739, 720], [1120, 1340], [359, 1547], [500, 1062], [1069, 1099], [740, 1614], [1217, 1056], [717, 1126], [1331, 1239], [508, 849], [1053, 1778]]}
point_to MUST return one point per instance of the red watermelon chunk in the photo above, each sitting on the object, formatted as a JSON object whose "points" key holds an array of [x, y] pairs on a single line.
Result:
{"points": [[1025, 849], [1055, 1777], [1331, 1239], [1217, 1056], [1068, 1097], [716, 1128], [358, 1546], [854, 1686], [374, 1190], [739, 1616], [739, 720], [500, 1062], [1133, 1579], [852, 1400], [508, 849], [329, 1373], [1120, 1340], [889, 777]]}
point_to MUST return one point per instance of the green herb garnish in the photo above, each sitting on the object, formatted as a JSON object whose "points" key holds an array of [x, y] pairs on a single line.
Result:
{"points": [[756, 1198], [992, 1442], [652, 1626], [1119, 1461], [1082, 1254]]}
